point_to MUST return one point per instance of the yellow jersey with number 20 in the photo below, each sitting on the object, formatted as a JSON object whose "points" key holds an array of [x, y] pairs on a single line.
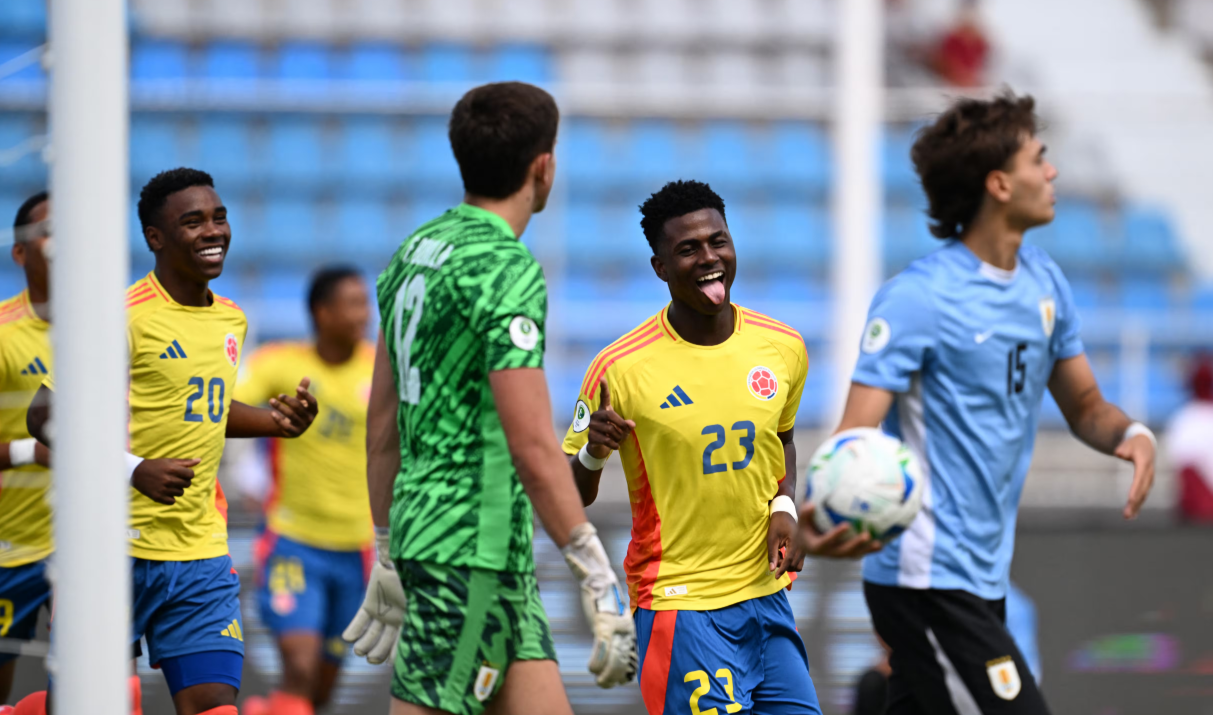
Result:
{"points": [[319, 494], [705, 458], [183, 374]]}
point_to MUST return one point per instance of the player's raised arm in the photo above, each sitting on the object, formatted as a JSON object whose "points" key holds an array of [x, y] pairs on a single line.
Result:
{"points": [[1103, 426], [287, 416], [607, 430]]}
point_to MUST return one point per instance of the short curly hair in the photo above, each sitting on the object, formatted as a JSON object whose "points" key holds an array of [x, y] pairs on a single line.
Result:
{"points": [[677, 198], [155, 192], [954, 155]]}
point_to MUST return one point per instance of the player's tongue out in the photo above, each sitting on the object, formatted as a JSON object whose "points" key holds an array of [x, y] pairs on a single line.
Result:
{"points": [[712, 286]]}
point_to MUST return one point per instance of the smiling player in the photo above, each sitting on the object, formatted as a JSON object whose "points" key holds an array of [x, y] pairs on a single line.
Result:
{"points": [[184, 345], [700, 401]]}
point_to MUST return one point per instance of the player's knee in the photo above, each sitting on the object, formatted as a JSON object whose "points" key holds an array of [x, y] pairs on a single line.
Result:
{"points": [[300, 667]]}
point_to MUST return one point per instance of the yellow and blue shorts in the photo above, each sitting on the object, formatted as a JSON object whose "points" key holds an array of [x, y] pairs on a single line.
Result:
{"points": [[23, 590]]}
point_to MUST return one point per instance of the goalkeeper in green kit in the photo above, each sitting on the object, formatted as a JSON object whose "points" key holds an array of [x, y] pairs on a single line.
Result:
{"points": [[460, 444]]}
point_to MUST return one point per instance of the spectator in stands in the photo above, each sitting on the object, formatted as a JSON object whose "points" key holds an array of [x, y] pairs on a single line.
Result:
{"points": [[963, 51], [1189, 441]]}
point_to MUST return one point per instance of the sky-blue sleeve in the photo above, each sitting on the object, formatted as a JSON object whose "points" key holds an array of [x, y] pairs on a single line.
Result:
{"points": [[901, 329], [1067, 339]]}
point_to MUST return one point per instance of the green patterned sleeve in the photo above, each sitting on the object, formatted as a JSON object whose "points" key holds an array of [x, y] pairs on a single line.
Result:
{"points": [[510, 311]]}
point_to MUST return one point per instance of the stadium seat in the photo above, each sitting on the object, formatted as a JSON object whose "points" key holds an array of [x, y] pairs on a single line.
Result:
{"points": [[32, 73], [521, 63], [16, 132], [297, 150], [906, 237], [726, 157], [290, 232], [750, 225], [159, 60], [156, 145], [374, 62], [369, 152], [799, 155], [226, 148], [1150, 242], [1076, 238], [586, 152], [1144, 294], [230, 59], [801, 237], [605, 234], [23, 18], [279, 285], [896, 167], [430, 152], [1087, 294], [445, 62], [303, 61], [650, 153], [1201, 298], [365, 230], [421, 211]]}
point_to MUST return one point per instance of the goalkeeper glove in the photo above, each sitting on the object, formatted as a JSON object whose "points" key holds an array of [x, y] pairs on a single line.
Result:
{"points": [[376, 627], [613, 657]]}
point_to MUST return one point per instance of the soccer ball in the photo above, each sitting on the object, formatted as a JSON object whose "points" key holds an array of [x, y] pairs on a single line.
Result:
{"points": [[865, 478]]}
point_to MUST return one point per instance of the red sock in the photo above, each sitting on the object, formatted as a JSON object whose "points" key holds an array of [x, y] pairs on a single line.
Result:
{"points": [[221, 710], [32, 704], [287, 704], [136, 695]]}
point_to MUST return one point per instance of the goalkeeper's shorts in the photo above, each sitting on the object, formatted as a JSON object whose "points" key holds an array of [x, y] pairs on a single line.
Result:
{"points": [[746, 657], [462, 629]]}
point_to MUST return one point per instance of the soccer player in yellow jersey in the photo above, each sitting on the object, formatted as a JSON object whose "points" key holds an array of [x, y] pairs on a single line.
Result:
{"points": [[185, 344], [312, 556], [700, 402], [25, 512]]}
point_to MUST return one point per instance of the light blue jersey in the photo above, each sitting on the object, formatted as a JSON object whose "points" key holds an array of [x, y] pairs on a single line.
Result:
{"points": [[969, 349]]}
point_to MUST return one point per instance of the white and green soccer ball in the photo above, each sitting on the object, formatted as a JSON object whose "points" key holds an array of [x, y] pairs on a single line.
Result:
{"points": [[865, 478]]}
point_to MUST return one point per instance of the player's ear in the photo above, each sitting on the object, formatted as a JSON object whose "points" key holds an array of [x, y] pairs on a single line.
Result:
{"points": [[998, 185], [18, 254], [659, 268], [155, 239]]}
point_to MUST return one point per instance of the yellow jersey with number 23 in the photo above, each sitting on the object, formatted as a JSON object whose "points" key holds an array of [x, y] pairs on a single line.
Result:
{"points": [[705, 458]]}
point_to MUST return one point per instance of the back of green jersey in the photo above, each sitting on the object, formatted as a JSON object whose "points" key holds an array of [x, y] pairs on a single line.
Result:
{"points": [[462, 297]]}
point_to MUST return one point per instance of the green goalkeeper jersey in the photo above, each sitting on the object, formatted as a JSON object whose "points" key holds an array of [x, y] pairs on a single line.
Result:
{"points": [[461, 297]]}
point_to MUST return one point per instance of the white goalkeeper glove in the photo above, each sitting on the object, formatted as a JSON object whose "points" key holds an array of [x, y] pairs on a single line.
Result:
{"points": [[376, 627], [613, 658]]}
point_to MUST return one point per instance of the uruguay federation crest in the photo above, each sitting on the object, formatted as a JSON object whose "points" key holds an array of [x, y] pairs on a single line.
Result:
{"points": [[485, 680], [1048, 315], [1004, 677]]}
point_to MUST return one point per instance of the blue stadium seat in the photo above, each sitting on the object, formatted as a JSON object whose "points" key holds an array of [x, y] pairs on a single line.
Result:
{"points": [[365, 229], [430, 151], [23, 18], [296, 150], [156, 145], [444, 62], [375, 62], [1201, 298], [1076, 238], [1144, 294], [231, 59], [1087, 294], [605, 234], [906, 237], [17, 129], [726, 156], [586, 152], [369, 151], [521, 63], [30, 73], [751, 227], [283, 285], [799, 238], [799, 154], [1167, 389], [290, 231], [226, 148], [159, 60], [650, 152], [896, 167], [422, 211], [307, 61], [1150, 240]]}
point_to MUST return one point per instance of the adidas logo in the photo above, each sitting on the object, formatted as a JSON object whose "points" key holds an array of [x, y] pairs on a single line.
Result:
{"points": [[172, 354], [35, 368], [677, 398], [233, 631]]}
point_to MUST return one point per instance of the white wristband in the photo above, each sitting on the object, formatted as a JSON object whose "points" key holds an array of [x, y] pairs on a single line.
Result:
{"points": [[21, 452], [784, 503], [132, 462], [589, 461], [383, 546], [1138, 428]]}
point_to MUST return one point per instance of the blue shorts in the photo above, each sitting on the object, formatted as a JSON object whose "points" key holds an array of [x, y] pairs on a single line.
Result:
{"points": [[186, 607], [303, 588], [743, 658], [23, 590]]}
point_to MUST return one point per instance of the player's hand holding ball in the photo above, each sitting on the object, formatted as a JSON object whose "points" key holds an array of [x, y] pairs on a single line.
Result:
{"points": [[376, 627], [613, 657], [607, 428], [295, 414], [163, 480]]}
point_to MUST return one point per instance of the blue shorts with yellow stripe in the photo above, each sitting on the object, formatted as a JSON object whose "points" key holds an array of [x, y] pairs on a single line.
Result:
{"points": [[23, 590], [302, 588], [743, 658], [186, 607]]}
